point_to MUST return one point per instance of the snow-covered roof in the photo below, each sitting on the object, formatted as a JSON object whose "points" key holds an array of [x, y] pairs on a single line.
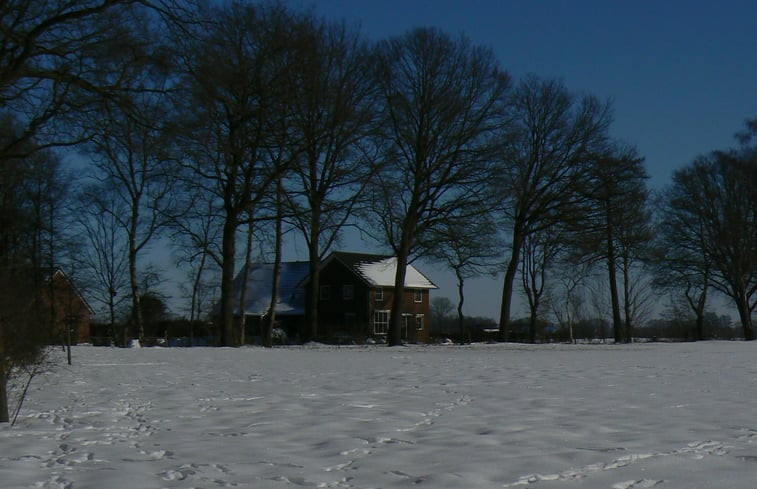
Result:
{"points": [[379, 270], [381, 274], [291, 297]]}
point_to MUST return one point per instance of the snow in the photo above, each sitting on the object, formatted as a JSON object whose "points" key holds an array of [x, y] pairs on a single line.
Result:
{"points": [[382, 273], [482, 416]]}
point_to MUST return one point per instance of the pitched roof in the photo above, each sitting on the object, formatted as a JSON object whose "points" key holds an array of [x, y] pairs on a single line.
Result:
{"points": [[59, 271], [291, 297], [380, 270]]}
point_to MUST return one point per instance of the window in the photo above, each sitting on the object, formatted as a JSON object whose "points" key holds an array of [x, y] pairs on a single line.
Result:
{"points": [[380, 322], [418, 295], [419, 322], [348, 292], [378, 294], [325, 292]]}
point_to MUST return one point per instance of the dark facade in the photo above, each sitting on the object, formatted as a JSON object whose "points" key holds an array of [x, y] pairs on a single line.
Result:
{"points": [[353, 306], [356, 294], [67, 307]]}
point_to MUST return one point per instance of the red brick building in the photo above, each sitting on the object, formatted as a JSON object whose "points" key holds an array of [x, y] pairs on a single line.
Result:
{"points": [[70, 309], [357, 292]]}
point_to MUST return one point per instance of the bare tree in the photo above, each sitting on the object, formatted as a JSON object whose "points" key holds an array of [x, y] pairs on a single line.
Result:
{"points": [[551, 139], [197, 234], [539, 252], [231, 110], [470, 250], [333, 113], [441, 307], [718, 194], [133, 165], [568, 295], [26, 311], [443, 101], [59, 56], [681, 263], [102, 253], [270, 320], [598, 300], [615, 225]]}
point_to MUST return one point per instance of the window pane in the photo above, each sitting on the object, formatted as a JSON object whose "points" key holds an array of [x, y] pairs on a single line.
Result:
{"points": [[380, 322]]}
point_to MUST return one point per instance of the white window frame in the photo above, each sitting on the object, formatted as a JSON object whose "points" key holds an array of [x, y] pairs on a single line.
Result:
{"points": [[381, 321], [378, 295], [417, 295], [419, 322]]}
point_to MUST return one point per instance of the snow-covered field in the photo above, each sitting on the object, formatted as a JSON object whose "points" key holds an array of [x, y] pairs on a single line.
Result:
{"points": [[482, 416]]}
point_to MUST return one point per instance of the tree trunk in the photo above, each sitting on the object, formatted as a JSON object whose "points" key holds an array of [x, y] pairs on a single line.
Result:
{"points": [[507, 288], [700, 310], [243, 285], [4, 411], [745, 316], [461, 300], [617, 324], [228, 247], [136, 308], [194, 312], [270, 322], [112, 316], [627, 306], [314, 269], [394, 338], [136, 312], [276, 278], [532, 322], [700, 317], [311, 331]]}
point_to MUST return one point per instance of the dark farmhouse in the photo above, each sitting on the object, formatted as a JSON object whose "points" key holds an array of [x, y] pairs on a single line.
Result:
{"points": [[45, 304], [355, 297], [67, 307]]}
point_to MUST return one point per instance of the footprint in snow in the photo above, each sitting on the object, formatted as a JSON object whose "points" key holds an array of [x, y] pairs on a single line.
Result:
{"points": [[637, 484]]}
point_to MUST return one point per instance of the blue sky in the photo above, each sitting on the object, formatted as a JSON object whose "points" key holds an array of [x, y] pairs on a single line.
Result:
{"points": [[682, 75]]}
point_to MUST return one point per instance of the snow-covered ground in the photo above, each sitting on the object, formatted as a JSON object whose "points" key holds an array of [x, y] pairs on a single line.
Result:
{"points": [[482, 416]]}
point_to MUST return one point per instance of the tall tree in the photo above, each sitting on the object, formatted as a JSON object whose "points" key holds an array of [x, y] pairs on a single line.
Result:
{"points": [[196, 234], [615, 225], [568, 294], [133, 165], [231, 110], [470, 249], [333, 113], [551, 138], [539, 253], [681, 263], [26, 324], [102, 252], [718, 194], [442, 103]]}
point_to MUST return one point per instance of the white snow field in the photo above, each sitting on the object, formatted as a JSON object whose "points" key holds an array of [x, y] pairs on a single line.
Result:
{"points": [[482, 416]]}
